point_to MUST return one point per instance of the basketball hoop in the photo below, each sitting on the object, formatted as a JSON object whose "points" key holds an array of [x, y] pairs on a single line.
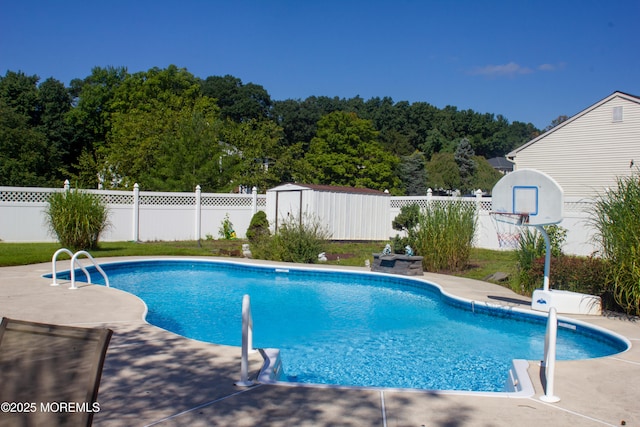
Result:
{"points": [[508, 229]]}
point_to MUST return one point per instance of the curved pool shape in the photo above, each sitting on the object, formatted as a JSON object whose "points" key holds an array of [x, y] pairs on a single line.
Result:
{"points": [[347, 328]]}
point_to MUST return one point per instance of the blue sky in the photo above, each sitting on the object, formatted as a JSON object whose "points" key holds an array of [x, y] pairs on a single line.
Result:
{"points": [[530, 61]]}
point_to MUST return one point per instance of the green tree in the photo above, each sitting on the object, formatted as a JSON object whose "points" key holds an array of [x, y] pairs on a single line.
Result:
{"points": [[26, 155], [555, 122], [164, 135], [166, 149], [191, 154], [54, 103], [89, 120], [413, 173], [434, 142], [146, 90], [258, 157], [443, 172], [346, 152], [464, 158], [23, 150], [299, 119], [485, 176], [237, 101], [20, 93]]}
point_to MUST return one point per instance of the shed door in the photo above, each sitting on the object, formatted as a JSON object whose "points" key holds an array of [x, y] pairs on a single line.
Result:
{"points": [[288, 204]]}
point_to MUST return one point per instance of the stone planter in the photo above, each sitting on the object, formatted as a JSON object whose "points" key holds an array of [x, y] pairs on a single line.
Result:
{"points": [[397, 264]]}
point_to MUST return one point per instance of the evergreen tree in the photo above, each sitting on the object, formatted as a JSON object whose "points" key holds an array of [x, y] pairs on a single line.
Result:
{"points": [[464, 158], [413, 174]]}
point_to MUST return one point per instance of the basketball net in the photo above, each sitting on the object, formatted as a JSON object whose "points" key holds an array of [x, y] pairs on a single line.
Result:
{"points": [[508, 228]]}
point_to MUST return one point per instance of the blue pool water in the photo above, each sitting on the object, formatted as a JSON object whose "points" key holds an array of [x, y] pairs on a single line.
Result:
{"points": [[353, 329]]}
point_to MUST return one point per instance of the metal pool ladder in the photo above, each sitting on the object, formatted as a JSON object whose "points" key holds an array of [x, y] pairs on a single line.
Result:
{"points": [[74, 261], [247, 342]]}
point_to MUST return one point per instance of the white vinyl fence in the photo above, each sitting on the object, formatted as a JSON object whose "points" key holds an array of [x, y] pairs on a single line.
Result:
{"points": [[133, 215], [576, 221], [155, 216]]}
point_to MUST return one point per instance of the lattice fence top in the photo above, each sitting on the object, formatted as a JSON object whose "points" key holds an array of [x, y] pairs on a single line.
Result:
{"points": [[168, 199], [485, 205], [24, 196], [423, 202], [115, 199], [36, 195], [227, 200], [111, 197], [399, 202]]}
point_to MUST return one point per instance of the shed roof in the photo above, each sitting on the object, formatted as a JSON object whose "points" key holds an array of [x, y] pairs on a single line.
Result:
{"points": [[328, 188], [632, 98]]}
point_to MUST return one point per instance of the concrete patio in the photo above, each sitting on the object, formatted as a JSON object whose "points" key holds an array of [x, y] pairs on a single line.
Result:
{"points": [[154, 377]]}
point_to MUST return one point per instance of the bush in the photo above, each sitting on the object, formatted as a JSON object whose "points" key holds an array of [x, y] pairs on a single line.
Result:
{"points": [[577, 274], [616, 219], [226, 229], [398, 244], [295, 241], [444, 236], [406, 220], [531, 246], [258, 227], [77, 219]]}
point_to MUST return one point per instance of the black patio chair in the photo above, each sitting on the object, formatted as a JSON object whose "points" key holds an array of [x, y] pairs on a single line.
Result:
{"points": [[50, 374]]}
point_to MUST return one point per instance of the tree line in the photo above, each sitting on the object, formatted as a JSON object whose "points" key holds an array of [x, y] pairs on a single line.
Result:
{"points": [[168, 130]]}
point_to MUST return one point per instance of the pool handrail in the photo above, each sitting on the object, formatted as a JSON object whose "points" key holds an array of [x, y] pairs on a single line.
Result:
{"points": [[549, 361], [74, 261], [54, 258], [247, 342]]}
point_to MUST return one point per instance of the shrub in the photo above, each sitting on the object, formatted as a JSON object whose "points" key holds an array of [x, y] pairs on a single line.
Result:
{"points": [[531, 246], [444, 236], [406, 220], [616, 219], [398, 244], [258, 227], [297, 240], [577, 274], [76, 219], [226, 229]]}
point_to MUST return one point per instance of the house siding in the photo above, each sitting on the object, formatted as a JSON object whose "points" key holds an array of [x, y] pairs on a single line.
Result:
{"points": [[587, 155]]}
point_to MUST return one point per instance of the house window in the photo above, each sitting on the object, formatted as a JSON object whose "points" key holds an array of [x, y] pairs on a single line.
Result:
{"points": [[617, 114]]}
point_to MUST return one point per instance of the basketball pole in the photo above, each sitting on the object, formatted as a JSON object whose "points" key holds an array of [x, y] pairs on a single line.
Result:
{"points": [[547, 256]]}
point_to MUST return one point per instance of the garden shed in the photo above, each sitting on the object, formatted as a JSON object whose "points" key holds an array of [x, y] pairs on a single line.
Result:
{"points": [[341, 210]]}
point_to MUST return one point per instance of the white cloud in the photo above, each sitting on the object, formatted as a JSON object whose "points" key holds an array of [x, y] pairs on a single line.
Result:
{"points": [[551, 67], [546, 67], [510, 70]]}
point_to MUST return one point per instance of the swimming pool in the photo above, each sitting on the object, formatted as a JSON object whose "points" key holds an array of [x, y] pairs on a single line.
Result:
{"points": [[347, 328]]}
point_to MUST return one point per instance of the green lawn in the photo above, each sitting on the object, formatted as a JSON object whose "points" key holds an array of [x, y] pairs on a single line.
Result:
{"points": [[483, 262]]}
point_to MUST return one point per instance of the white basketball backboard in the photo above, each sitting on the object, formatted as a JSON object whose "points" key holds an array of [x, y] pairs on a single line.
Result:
{"points": [[529, 192]]}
